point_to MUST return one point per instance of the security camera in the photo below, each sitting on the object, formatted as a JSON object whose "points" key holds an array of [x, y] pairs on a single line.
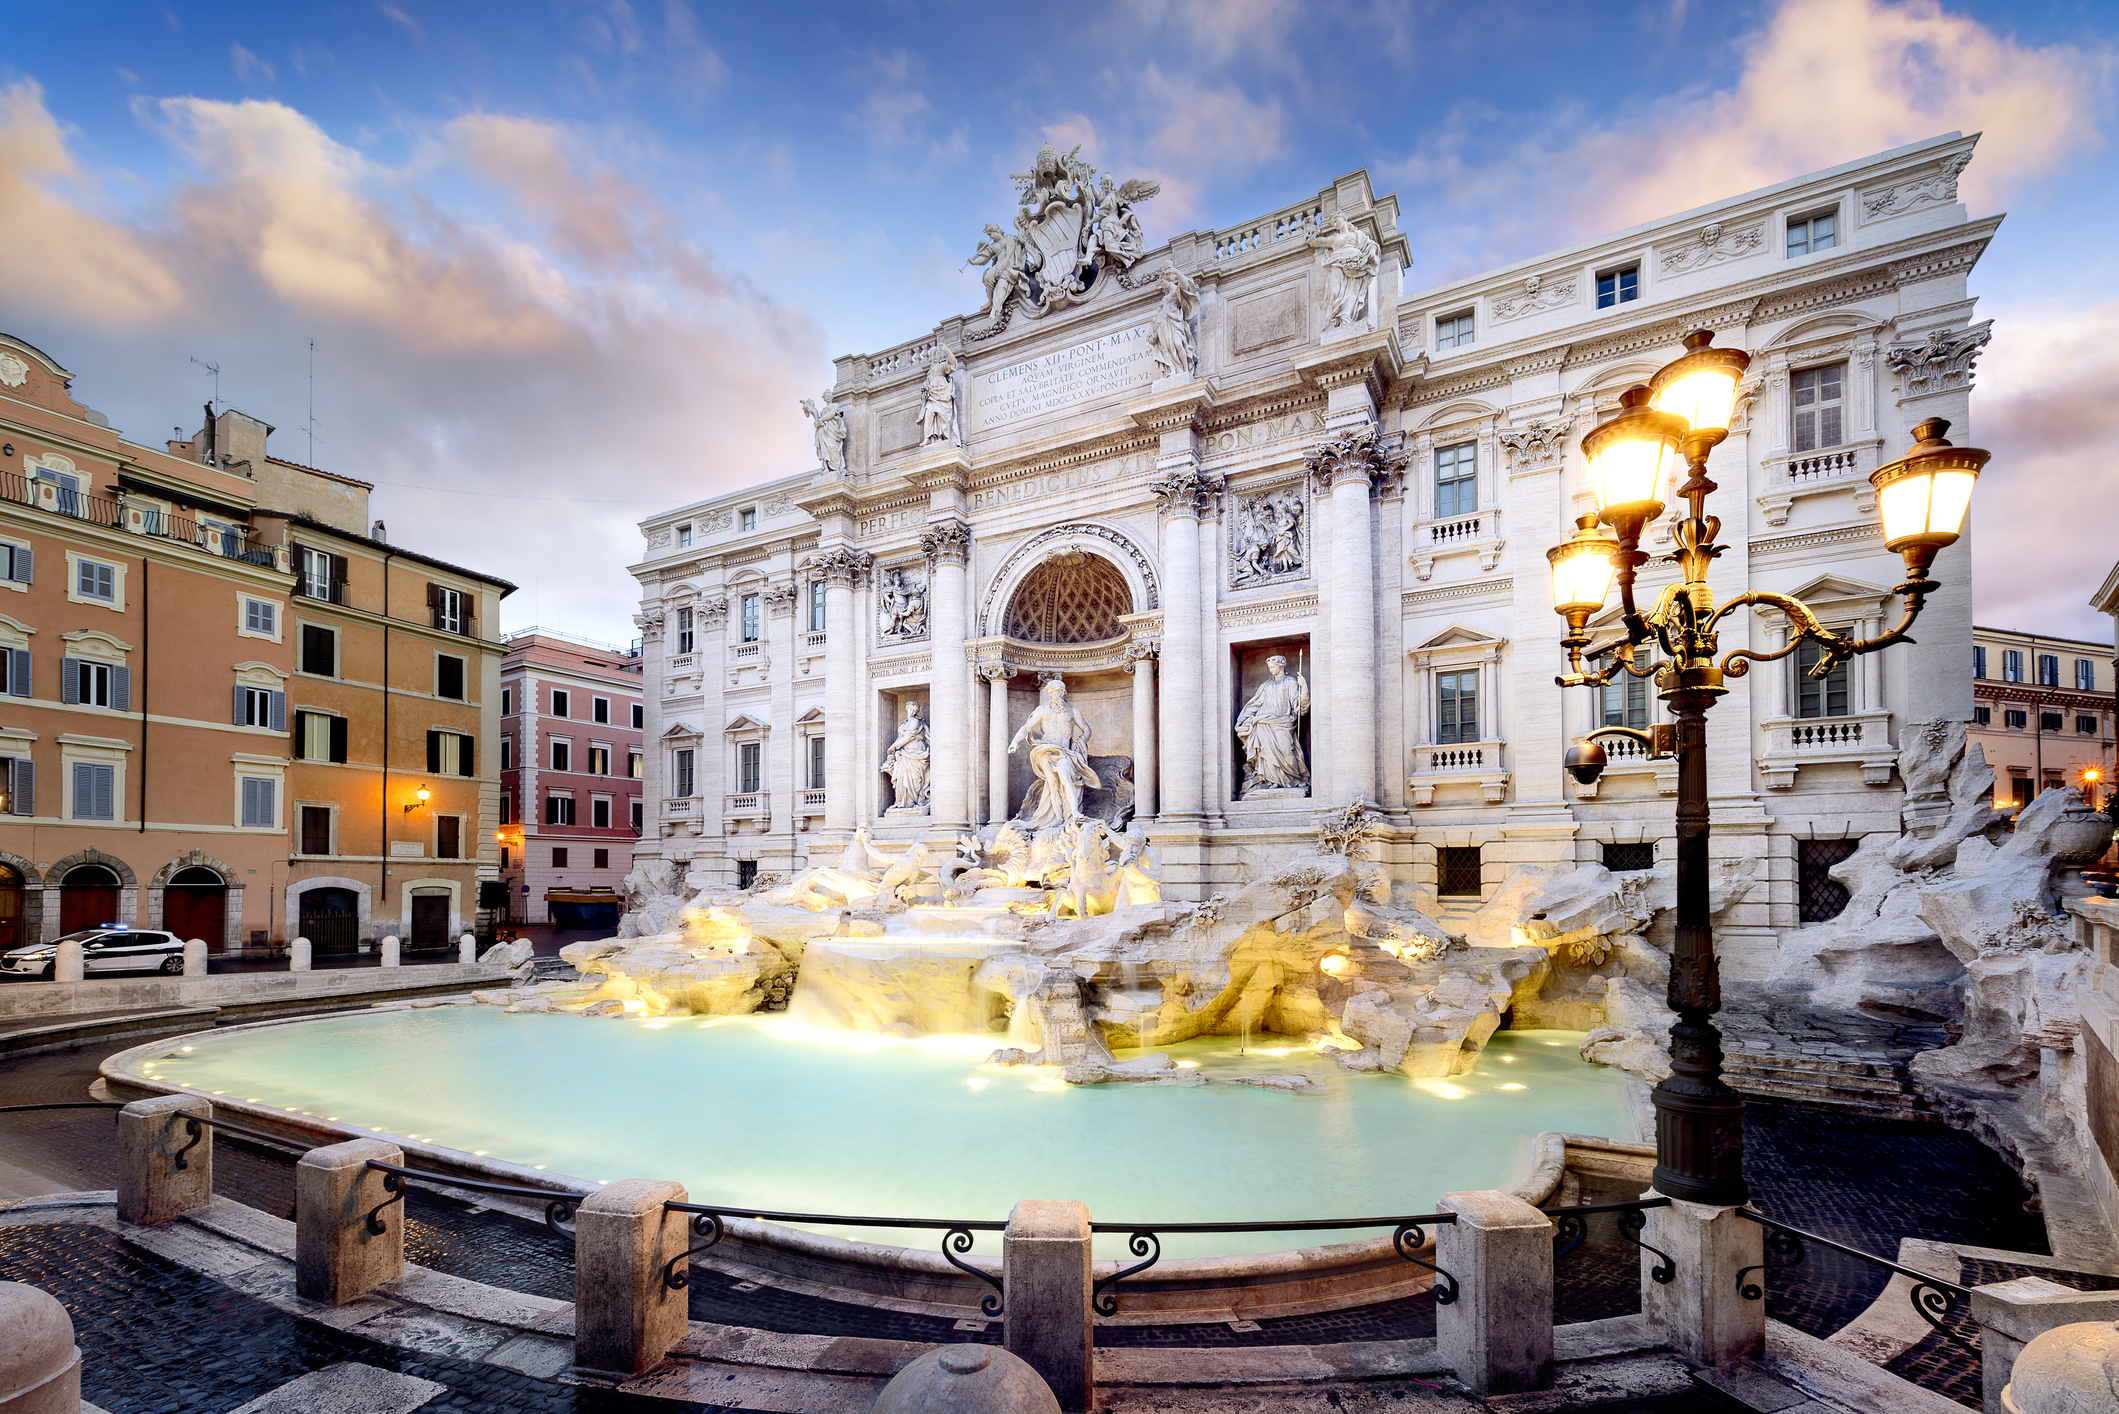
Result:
{"points": [[1585, 761]]}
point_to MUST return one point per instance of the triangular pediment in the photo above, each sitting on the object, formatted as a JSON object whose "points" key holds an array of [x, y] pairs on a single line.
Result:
{"points": [[681, 731], [814, 717], [1458, 636], [745, 722], [1834, 586]]}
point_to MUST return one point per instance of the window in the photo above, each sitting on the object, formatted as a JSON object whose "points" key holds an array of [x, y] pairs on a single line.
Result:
{"points": [[1457, 707], [1819, 896], [1984, 716], [2085, 675], [2086, 724], [599, 709], [1811, 235], [451, 753], [1453, 331], [559, 855], [816, 763], [69, 487], [750, 618], [600, 812], [747, 518], [260, 616], [746, 873], [507, 702], [95, 684], [507, 753], [452, 609], [316, 829], [318, 575], [261, 707], [1618, 287], [1979, 660], [2048, 670], [1625, 702], [750, 757], [1624, 858], [1456, 480], [448, 837], [1457, 872], [559, 703], [319, 651], [559, 810], [1820, 406], [634, 766], [2049, 721], [16, 563], [95, 791], [19, 775], [683, 773], [448, 676], [15, 672], [603, 859], [684, 537], [684, 630], [2014, 717], [637, 816], [318, 737], [95, 581], [2020, 788], [2011, 665], [562, 756], [507, 808], [639, 716], [599, 760], [816, 605], [1819, 697]]}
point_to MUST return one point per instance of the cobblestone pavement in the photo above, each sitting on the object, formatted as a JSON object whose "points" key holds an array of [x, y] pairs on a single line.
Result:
{"points": [[1942, 1365]]}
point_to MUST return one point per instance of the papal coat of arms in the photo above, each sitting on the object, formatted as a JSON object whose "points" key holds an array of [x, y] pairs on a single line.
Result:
{"points": [[1070, 228]]}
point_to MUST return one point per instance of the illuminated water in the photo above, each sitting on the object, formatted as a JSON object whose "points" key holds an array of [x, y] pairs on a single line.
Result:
{"points": [[760, 1112]]}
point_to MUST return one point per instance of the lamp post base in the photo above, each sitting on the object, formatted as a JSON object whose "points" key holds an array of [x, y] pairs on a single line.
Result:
{"points": [[1699, 1121]]}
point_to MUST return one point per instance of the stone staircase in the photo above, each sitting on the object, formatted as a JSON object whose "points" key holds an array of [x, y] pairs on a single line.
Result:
{"points": [[1880, 1089], [1834, 1058]]}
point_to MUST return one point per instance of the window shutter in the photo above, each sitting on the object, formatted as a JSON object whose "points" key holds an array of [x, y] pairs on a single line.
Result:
{"points": [[434, 751], [338, 739], [69, 680], [238, 706], [268, 802], [25, 562], [121, 689], [250, 799], [18, 681], [277, 710], [434, 604], [22, 795], [301, 736], [338, 579], [467, 756]]}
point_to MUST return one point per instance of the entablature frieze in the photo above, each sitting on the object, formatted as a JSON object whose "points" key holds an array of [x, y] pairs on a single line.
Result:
{"points": [[1000, 657]]}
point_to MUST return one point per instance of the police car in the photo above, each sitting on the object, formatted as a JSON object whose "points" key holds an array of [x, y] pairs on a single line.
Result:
{"points": [[109, 949]]}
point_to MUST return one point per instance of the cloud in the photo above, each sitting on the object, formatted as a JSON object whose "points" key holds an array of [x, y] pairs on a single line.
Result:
{"points": [[246, 63], [913, 140], [697, 66], [538, 332], [397, 16]]}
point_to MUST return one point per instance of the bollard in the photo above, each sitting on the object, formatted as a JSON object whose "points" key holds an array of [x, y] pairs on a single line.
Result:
{"points": [[66, 963], [467, 949], [1700, 1312], [152, 1141], [1497, 1334], [195, 958], [2066, 1370], [40, 1366], [298, 955], [2012, 1314], [626, 1317], [390, 951], [1046, 1290], [336, 1257], [976, 1379]]}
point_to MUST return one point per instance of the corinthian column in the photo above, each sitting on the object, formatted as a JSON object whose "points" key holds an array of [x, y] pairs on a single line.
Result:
{"points": [[1143, 669], [1344, 469], [948, 546], [1181, 488], [996, 676], [841, 570]]}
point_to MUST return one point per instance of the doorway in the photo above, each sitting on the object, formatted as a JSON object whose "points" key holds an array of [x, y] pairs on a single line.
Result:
{"points": [[10, 908], [88, 898], [331, 922], [195, 905], [430, 921]]}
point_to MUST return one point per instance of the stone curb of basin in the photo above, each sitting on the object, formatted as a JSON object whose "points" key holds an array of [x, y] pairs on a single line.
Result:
{"points": [[1295, 1282], [253, 1253]]}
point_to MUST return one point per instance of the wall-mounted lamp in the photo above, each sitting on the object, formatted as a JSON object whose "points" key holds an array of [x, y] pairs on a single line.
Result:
{"points": [[419, 798]]}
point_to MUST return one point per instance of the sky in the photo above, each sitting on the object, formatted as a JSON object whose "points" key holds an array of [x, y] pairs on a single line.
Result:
{"points": [[569, 262]]}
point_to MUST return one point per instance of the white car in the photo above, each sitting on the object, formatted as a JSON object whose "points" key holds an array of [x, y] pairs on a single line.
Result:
{"points": [[103, 950]]}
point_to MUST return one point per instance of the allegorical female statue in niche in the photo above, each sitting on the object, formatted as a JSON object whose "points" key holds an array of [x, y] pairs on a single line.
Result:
{"points": [[1269, 728], [906, 762], [1058, 734]]}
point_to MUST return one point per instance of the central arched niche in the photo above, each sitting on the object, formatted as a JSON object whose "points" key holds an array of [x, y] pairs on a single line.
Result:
{"points": [[1071, 597]]}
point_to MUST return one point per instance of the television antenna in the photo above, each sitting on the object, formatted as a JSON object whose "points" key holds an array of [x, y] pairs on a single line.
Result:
{"points": [[215, 370]]}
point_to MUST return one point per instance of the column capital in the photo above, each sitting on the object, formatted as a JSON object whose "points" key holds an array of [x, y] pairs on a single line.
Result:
{"points": [[1182, 489], [995, 672], [843, 566], [1362, 457], [947, 543]]}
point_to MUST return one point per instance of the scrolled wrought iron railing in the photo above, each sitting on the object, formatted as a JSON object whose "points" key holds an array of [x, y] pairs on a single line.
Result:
{"points": [[558, 1206], [957, 1236], [1571, 1230], [196, 1126], [1408, 1236], [1932, 1298], [65, 1105]]}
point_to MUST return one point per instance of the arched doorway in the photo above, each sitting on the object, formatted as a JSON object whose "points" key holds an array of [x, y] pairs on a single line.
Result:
{"points": [[331, 921], [195, 905], [1072, 597], [88, 898], [10, 907]]}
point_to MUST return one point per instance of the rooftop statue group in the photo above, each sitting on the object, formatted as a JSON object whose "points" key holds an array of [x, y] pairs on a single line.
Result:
{"points": [[1070, 226]]}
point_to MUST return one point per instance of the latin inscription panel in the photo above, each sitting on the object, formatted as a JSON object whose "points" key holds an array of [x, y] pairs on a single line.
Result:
{"points": [[1059, 381]]}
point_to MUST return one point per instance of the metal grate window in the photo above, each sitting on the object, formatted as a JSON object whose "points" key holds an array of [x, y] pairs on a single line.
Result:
{"points": [[1820, 897], [1620, 858], [1458, 870]]}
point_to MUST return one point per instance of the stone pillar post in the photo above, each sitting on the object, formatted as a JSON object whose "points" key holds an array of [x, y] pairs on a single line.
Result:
{"points": [[626, 1317], [467, 949], [948, 547], [336, 1257], [1183, 749], [1497, 1334], [841, 569], [40, 1369], [996, 676], [390, 947], [195, 958], [151, 1136], [67, 963], [1350, 579], [2012, 1314], [1045, 1273], [1701, 1313], [298, 955], [1143, 670]]}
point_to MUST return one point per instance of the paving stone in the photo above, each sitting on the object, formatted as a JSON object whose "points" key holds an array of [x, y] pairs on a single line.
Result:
{"points": [[346, 1389]]}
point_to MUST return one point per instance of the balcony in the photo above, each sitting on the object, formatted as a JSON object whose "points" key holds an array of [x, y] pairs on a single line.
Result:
{"points": [[1788, 479], [1470, 763], [751, 805], [1863, 740], [1478, 533], [231, 542], [679, 805]]}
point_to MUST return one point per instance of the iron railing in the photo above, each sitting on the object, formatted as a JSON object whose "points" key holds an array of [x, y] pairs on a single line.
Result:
{"points": [[558, 1206], [1408, 1236], [196, 1126], [1932, 1297], [235, 542], [1571, 1230], [957, 1236]]}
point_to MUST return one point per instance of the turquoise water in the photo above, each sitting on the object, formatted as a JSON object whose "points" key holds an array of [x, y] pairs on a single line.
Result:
{"points": [[761, 1112]]}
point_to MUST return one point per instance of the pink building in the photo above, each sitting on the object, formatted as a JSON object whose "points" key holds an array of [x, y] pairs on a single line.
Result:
{"points": [[570, 777]]}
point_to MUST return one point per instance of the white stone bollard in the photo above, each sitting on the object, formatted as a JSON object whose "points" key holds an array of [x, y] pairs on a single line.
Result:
{"points": [[67, 962], [1045, 1275], [967, 1377], [336, 1258], [467, 949], [195, 958], [40, 1366], [1701, 1313], [2067, 1370], [298, 955], [2012, 1314], [152, 1137], [626, 1317], [390, 951], [1497, 1334]]}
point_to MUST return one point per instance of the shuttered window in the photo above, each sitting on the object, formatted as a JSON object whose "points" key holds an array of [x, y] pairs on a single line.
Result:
{"points": [[95, 684], [451, 754], [261, 707], [559, 810], [451, 608], [449, 676], [15, 663], [319, 651], [20, 563], [260, 803], [95, 791], [19, 775]]}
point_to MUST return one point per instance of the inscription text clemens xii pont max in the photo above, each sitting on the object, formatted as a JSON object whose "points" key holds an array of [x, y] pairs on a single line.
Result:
{"points": [[1062, 380]]}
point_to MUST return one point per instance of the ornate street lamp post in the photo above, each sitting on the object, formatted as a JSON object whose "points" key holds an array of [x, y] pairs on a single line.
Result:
{"points": [[1685, 412]]}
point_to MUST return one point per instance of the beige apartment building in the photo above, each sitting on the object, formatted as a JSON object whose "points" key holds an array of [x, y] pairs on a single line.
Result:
{"points": [[2043, 711]]}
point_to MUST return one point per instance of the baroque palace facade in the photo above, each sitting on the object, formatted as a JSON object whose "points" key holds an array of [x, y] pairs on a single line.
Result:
{"points": [[1150, 473]]}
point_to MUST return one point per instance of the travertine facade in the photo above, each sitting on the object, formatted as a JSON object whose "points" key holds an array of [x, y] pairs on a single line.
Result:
{"points": [[1153, 485]]}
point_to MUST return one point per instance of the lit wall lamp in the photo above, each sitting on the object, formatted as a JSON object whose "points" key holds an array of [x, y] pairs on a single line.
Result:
{"points": [[419, 799]]}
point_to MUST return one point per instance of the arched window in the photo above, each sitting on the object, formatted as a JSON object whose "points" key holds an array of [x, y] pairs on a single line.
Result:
{"points": [[1073, 597]]}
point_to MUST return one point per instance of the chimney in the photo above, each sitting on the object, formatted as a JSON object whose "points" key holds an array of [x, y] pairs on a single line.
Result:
{"points": [[376, 532]]}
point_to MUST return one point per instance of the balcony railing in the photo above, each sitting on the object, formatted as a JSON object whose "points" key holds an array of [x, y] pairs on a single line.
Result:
{"points": [[1862, 739], [229, 542], [813, 800], [1294, 223], [1470, 762]]}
